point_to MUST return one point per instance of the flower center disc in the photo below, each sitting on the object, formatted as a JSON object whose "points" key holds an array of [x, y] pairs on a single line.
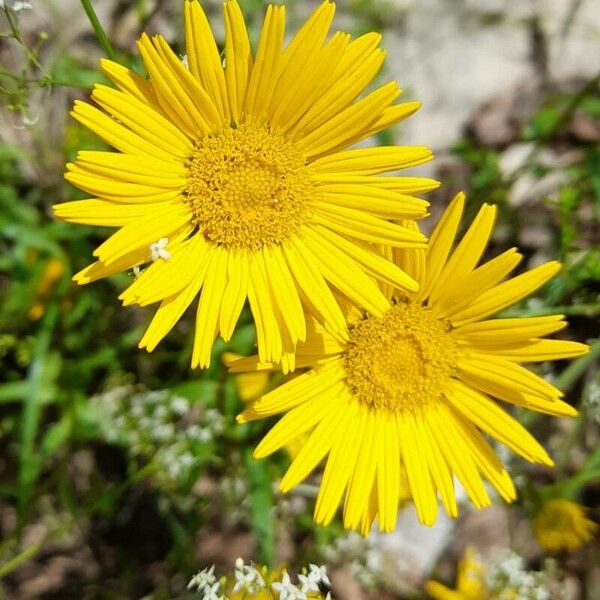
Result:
{"points": [[401, 361], [248, 187]]}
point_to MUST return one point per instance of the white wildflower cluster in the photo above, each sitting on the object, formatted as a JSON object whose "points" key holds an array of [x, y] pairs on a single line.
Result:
{"points": [[508, 579], [249, 581], [159, 425], [234, 493], [247, 578], [206, 583], [360, 555], [15, 5]]}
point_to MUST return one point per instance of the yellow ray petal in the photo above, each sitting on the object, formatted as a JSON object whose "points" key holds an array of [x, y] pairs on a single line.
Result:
{"points": [[506, 294], [235, 293], [99, 270], [209, 306], [351, 76], [298, 421], [382, 203], [136, 169], [417, 471], [505, 373], [104, 213], [170, 311], [356, 223], [299, 57], [163, 278], [143, 120], [117, 135], [203, 57], [371, 161], [265, 71], [500, 331], [119, 191], [311, 283], [388, 472], [493, 420], [171, 92], [440, 244], [140, 234], [439, 468], [284, 291], [346, 444], [401, 185], [128, 81], [298, 390], [392, 116], [460, 292], [238, 56], [348, 126], [261, 304], [543, 350], [467, 253], [458, 456], [314, 449], [487, 462], [363, 474], [344, 274]]}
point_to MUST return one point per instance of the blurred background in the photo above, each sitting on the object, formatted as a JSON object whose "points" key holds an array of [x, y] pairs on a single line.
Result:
{"points": [[122, 473]]}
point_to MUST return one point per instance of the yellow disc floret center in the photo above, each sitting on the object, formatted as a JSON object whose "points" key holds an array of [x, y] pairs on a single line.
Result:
{"points": [[401, 361], [248, 187]]}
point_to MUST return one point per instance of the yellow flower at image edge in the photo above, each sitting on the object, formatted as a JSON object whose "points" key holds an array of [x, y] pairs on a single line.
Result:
{"points": [[563, 525], [411, 389], [234, 183], [470, 581]]}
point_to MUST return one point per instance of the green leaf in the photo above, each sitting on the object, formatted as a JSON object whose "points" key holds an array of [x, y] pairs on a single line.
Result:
{"points": [[261, 504]]}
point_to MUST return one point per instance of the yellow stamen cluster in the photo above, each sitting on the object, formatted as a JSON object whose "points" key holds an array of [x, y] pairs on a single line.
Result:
{"points": [[248, 187], [400, 361]]}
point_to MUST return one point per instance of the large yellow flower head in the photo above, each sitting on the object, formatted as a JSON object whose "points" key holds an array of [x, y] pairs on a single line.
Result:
{"points": [[563, 525], [232, 180], [412, 389]]}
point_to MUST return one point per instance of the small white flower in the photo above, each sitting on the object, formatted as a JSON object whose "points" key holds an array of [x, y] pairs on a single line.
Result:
{"points": [[308, 584], [159, 250], [287, 590], [213, 592], [319, 574], [204, 435], [136, 271], [203, 579], [247, 578], [179, 405]]}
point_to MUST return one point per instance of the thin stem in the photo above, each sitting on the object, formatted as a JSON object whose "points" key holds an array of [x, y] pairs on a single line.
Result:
{"points": [[98, 30], [572, 373]]}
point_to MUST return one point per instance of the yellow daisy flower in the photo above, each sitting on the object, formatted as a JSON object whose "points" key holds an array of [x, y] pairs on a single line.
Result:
{"points": [[563, 525], [411, 388], [233, 181], [470, 581]]}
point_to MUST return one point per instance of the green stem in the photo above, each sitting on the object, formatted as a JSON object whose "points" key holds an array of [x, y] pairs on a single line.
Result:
{"points": [[98, 30], [19, 559], [572, 373]]}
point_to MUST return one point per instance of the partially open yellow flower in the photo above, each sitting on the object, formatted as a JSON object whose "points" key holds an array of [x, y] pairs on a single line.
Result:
{"points": [[412, 389], [233, 180], [563, 525], [470, 581]]}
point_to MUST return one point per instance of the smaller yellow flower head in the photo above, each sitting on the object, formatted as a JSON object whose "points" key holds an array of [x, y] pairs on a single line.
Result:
{"points": [[563, 525], [470, 581]]}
